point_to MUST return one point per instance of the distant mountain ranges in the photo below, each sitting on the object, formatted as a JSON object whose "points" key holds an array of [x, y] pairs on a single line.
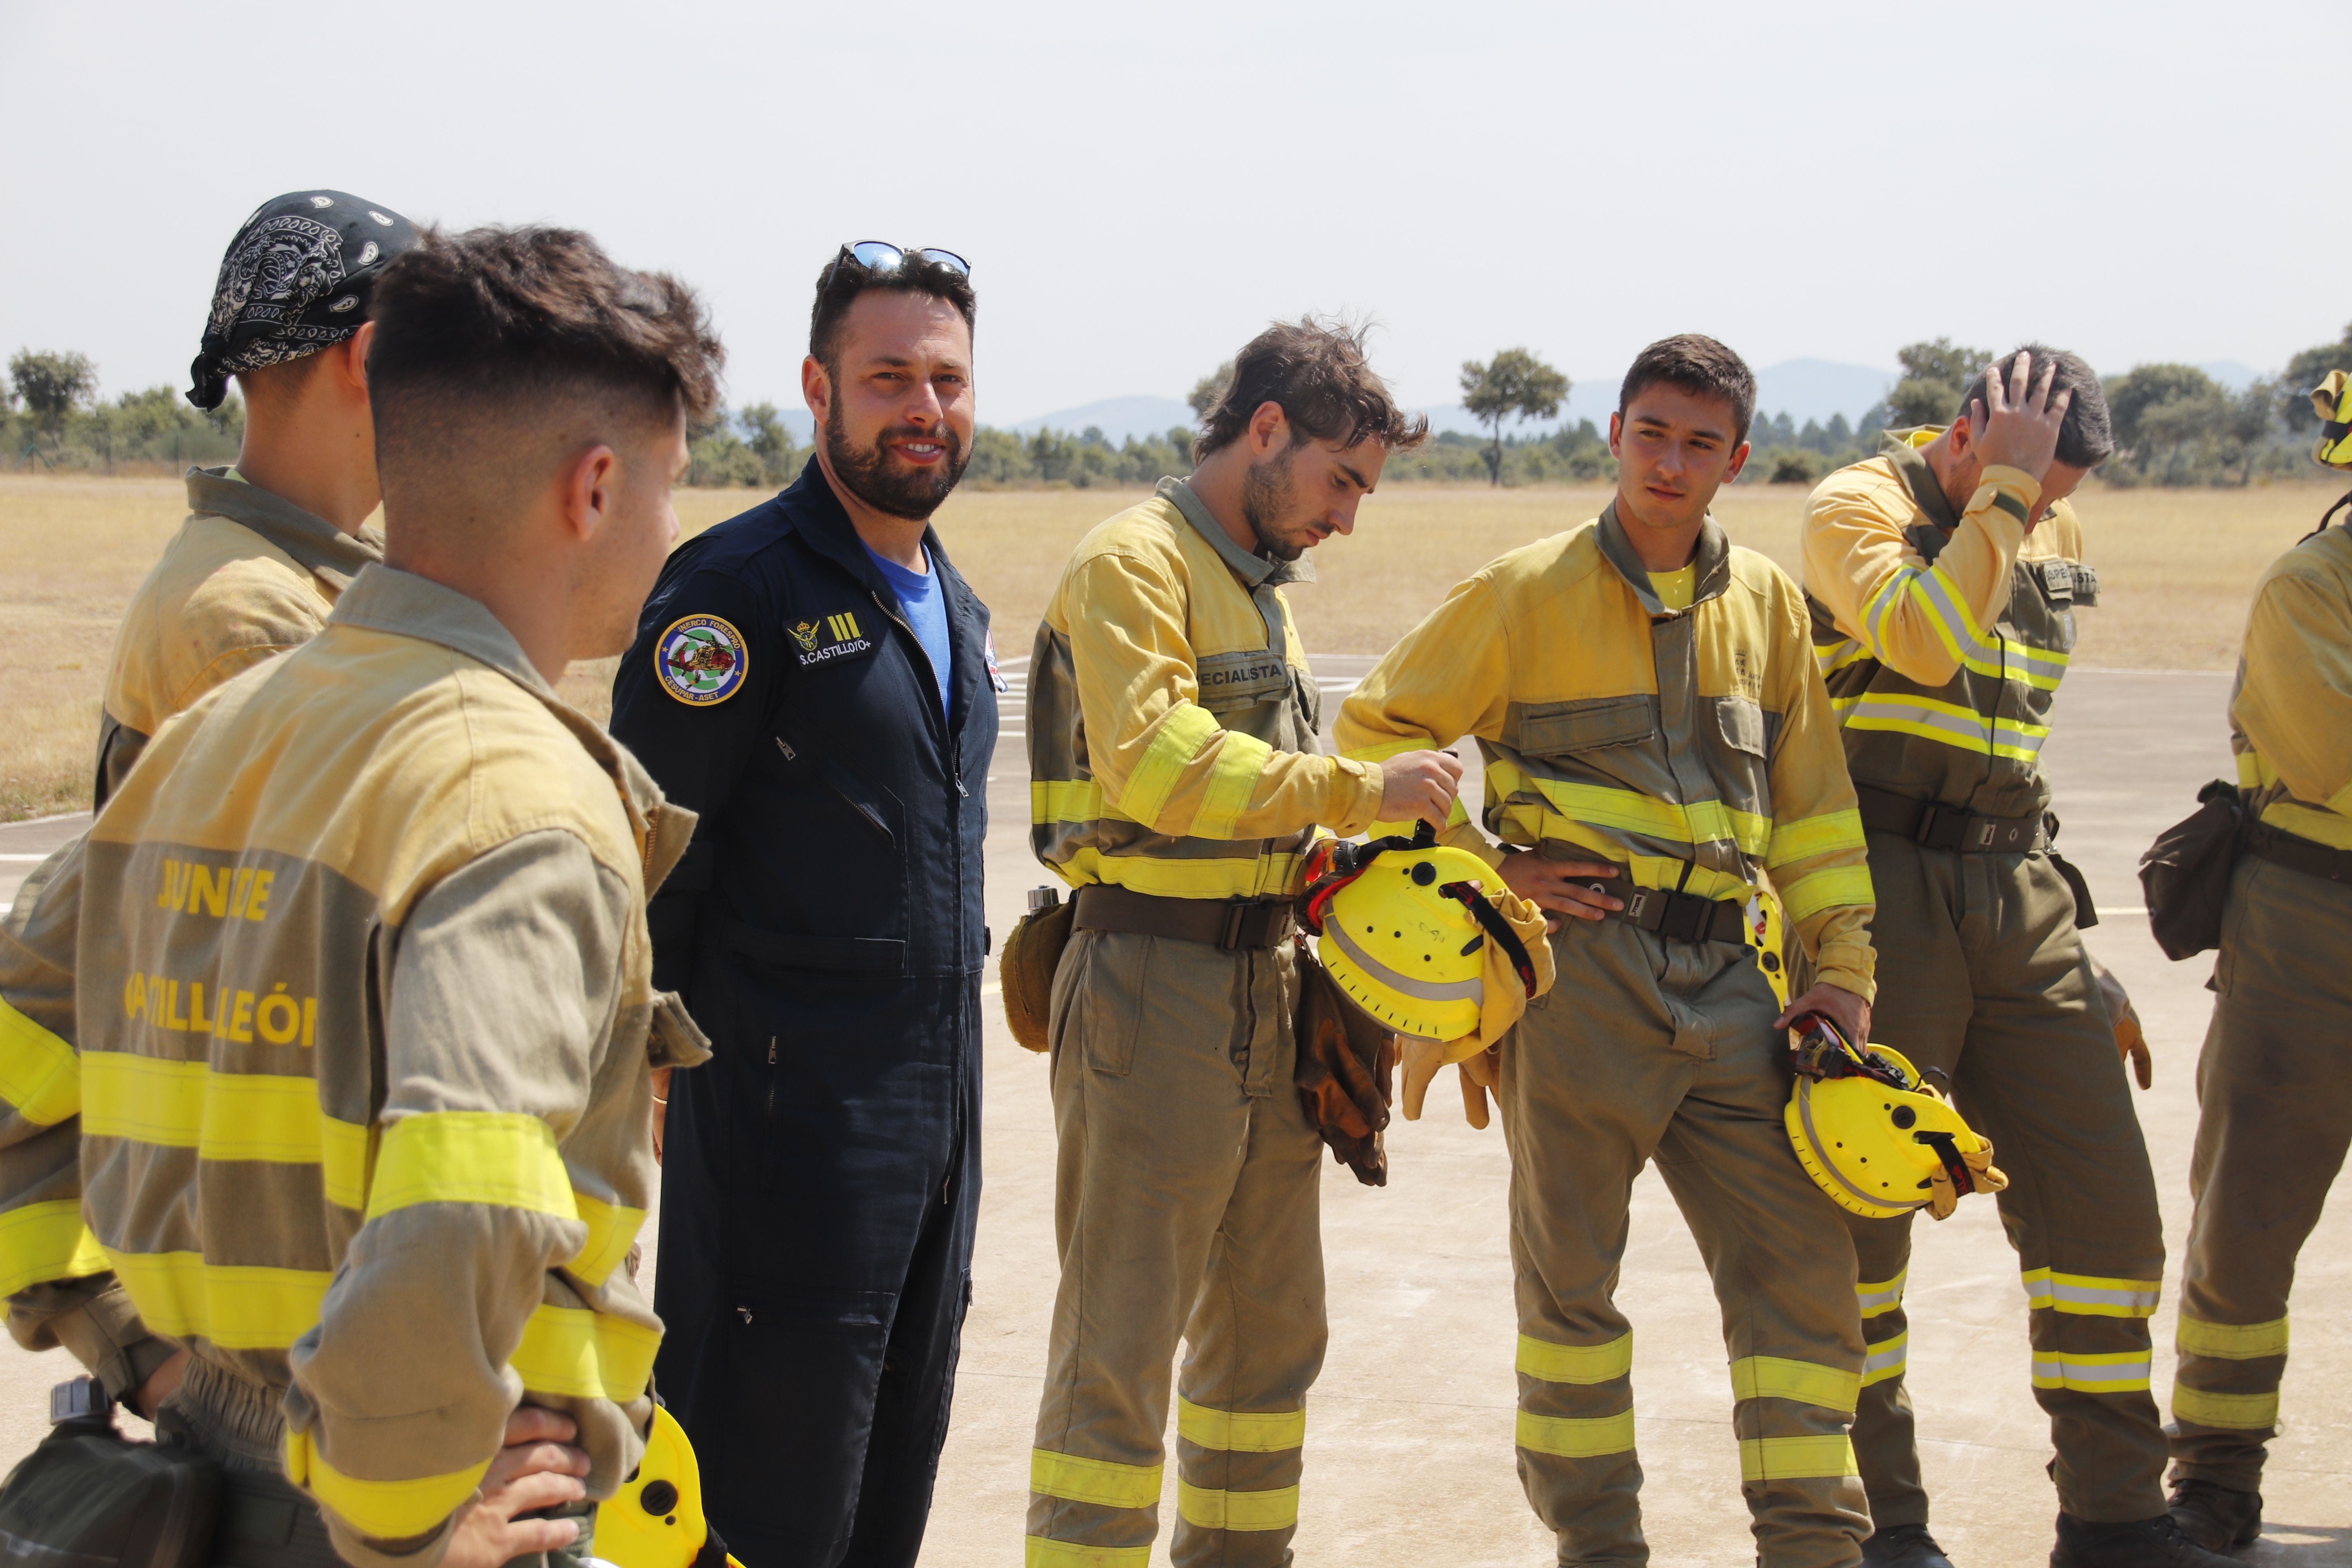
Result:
{"points": [[1801, 388]]}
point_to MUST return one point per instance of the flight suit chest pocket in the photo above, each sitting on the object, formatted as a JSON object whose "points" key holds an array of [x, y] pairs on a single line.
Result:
{"points": [[1558, 728], [2042, 606], [1234, 680]]}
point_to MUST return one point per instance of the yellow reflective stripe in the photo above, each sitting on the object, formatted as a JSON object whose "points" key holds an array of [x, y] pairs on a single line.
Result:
{"points": [[1628, 811], [1207, 1509], [1045, 1552], [587, 1355], [2306, 822], [146, 1098], [39, 1074], [1186, 728], [1576, 1436], [1946, 722], [1812, 836], [1887, 1359], [1881, 1296], [1805, 1382], [1387, 749], [2122, 1372], [2251, 771], [1170, 878], [235, 1306], [471, 1157], [2230, 1412], [612, 1230], [2231, 1341], [2091, 1295], [1795, 1458], [1241, 762], [1240, 1431], [346, 1155], [1830, 888], [386, 1510], [1556, 1363], [1093, 1481], [1065, 800], [2018, 663], [1833, 656], [41, 1242]]}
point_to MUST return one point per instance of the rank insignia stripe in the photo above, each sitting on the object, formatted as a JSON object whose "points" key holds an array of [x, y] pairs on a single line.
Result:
{"points": [[701, 660], [825, 639]]}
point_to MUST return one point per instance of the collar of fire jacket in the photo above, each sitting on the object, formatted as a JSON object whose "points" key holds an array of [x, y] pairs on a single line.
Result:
{"points": [[1254, 570], [1713, 561], [324, 550], [402, 603], [1903, 449]]}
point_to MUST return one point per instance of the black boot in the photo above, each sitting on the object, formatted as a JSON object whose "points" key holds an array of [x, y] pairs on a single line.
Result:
{"points": [[2214, 1516], [1903, 1546], [2138, 1543]]}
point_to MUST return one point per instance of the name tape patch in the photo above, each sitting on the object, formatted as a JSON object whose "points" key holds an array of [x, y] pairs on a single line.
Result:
{"points": [[701, 660], [829, 638]]}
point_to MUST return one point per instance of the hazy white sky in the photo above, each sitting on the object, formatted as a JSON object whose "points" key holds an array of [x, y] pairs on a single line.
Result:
{"points": [[1140, 188]]}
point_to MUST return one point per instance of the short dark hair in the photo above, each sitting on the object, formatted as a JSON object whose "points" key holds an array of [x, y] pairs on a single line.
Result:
{"points": [[2087, 437], [845, 277], [1695, 363], [510, 316], [1315, 369]]}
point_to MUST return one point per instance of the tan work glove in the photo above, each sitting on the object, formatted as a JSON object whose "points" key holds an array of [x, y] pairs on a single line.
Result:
{"points": [[1943, 1197], [1422, 1061], [2131, 1040]]}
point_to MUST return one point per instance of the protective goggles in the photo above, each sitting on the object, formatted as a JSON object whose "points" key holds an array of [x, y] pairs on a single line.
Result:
{"points": [[875, 255]]}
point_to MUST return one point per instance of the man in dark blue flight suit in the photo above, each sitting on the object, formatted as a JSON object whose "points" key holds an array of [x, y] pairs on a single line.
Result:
{"points": [[815, 678]]}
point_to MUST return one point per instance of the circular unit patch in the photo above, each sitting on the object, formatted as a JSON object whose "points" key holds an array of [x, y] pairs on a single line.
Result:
{"points": [[701, 660]]}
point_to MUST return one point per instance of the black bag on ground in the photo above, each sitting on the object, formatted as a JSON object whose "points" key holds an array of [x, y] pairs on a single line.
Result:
{"points": [[89, 1498], [2186, 872]]}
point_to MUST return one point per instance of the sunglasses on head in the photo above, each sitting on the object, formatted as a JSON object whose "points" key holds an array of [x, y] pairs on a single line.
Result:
{"points": [[875, 255]]}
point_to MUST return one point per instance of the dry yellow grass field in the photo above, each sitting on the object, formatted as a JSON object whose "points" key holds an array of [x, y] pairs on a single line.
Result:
{"points": [[2177, 568]]}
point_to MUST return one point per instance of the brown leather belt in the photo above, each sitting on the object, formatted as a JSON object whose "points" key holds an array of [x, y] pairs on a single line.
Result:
{"points": [[2295, 852], [1229, 924], [1934, 825], [1680, 917]]}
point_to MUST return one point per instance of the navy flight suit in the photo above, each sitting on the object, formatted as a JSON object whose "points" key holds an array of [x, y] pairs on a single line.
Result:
{"points": [[821, 1173]]}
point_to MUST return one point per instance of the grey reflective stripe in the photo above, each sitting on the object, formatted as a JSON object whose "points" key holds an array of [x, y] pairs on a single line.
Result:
{"points": [[1420, 990], [1821, 1156], [1888, 1358]]}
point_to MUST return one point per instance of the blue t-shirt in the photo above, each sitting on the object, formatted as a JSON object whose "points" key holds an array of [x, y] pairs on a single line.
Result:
{"points": [[926, 610]]}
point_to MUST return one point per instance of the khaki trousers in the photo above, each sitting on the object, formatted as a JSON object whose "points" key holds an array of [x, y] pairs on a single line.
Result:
{"points": [[2274, 1088], [1186, 1206], [1646, 1048], [1982, 978]]}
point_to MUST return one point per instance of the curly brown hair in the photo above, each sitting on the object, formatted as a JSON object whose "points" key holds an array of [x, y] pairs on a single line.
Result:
{"points": [[1315, 369]]}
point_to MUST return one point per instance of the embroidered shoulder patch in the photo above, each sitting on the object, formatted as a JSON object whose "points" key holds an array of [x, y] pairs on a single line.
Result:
{"points": [[701, 660]]}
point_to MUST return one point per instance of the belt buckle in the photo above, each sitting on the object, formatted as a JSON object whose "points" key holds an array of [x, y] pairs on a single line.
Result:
{"points": [[1682, 917], [1230, 939]]}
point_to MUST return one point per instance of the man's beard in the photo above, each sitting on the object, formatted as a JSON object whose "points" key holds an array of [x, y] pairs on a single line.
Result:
{"points": [[872, 478], [1269, 494]]}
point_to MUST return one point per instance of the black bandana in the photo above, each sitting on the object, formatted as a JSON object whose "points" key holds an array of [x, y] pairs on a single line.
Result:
{"points": [[295, 281]]}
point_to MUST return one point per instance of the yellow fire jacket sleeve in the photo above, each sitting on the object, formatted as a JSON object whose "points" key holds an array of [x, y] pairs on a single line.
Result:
{"points": [[2295, 702], [1162, 758], [59, 1288], [1450, 677], [1816, 855], [1918, 621]]}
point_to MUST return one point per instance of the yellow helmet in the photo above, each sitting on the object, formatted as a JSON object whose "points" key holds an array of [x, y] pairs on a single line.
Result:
{"points": [[1875, 1138], [2332, 401], [1768, 929], [655, 1520], [1404, 926]]}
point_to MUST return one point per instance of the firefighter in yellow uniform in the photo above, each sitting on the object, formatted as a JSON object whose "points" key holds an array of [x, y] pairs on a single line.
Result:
{"points": [[1657, 741], [1942, 577], [2275, 1077], [326, 1055], [1175, 783], [268, 543]]}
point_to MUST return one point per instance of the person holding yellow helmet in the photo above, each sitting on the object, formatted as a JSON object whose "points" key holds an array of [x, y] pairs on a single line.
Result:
{"points": [[2274, 1078], [1658, 742]]}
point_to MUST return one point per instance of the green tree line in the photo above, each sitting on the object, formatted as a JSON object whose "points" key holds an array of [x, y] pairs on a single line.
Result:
{"points": [[52, 417]]}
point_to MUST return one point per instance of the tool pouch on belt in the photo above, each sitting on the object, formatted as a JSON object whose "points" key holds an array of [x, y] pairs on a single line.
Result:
{"points": [[89, 1498], [2186, 872], [1345, 1062], [2086, 914], [1025, 970]]}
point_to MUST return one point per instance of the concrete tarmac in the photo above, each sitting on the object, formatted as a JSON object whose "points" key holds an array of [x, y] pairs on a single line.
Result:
{"points": [[1409, 1457]]}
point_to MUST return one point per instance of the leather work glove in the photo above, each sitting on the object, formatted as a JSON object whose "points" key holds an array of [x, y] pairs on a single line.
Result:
{"points": [[1943, 1197], [1423, 1058], [2131, 1040]]}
